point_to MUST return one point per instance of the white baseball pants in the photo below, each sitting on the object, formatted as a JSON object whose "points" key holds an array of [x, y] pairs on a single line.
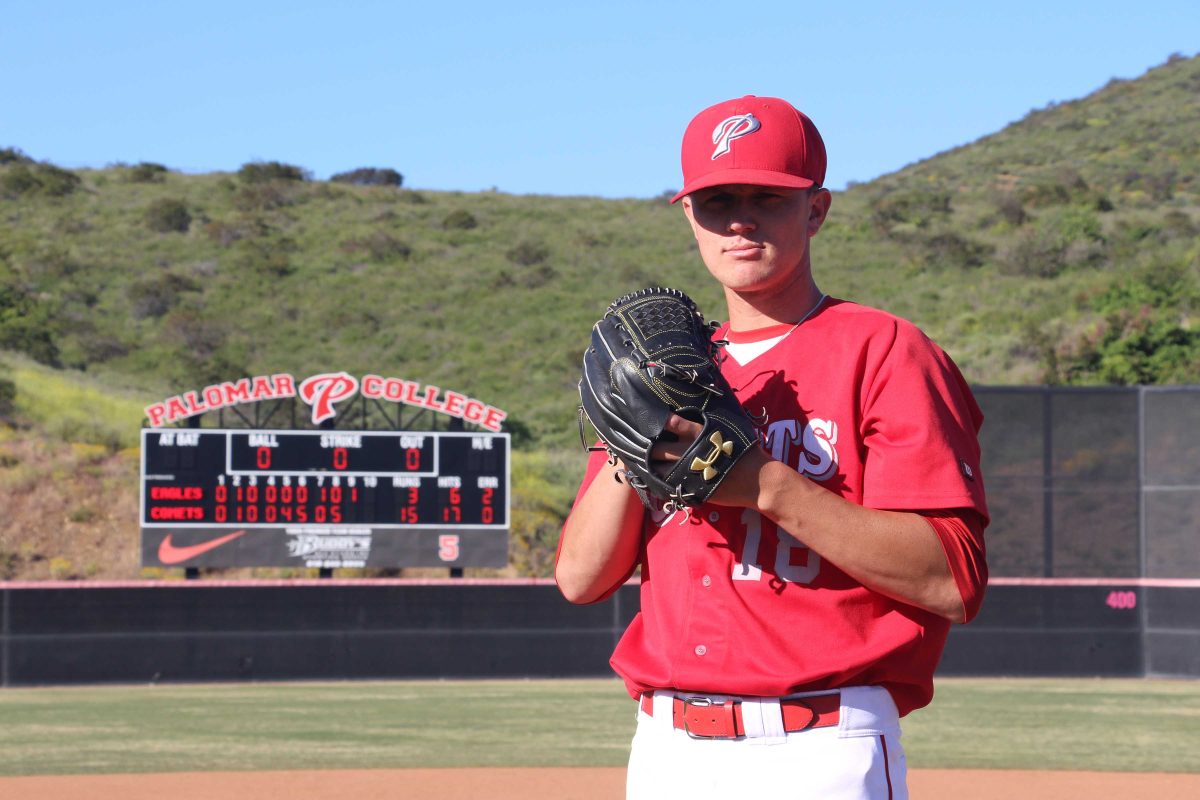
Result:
{"points": [[860, 758]]}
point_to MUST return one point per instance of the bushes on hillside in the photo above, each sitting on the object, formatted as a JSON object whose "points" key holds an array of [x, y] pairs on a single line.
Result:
{"points": [[526, 253], [1062, 238], [915, 209], [268, 256], [146, 172], [8, 398], [13, 155], [22, 178], [155, 296], [370, 176], [168, 215], [379, 246], [263, 196], [267, 171], [948, 248], [26, 325], [459, 220], [1144, 335]]}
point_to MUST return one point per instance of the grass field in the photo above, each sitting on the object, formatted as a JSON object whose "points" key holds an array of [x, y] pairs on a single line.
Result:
{"points": [[1106, 725]]}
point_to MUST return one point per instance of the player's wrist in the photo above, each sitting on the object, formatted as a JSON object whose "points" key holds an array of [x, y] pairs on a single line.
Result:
{"points": [[778, 488], [743, 486]]}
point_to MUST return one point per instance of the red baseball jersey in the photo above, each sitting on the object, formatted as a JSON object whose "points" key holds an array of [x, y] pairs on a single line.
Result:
{"points": [[864, 404]]}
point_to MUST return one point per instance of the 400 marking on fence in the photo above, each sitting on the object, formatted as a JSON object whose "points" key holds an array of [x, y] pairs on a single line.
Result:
{"points": [[1121, 600]]}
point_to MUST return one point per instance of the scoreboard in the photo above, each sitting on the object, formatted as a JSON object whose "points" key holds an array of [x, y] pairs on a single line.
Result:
{"points": [[324, 498]]}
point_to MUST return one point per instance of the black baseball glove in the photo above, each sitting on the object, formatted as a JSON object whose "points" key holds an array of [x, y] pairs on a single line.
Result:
{"points": [[651, 356]]}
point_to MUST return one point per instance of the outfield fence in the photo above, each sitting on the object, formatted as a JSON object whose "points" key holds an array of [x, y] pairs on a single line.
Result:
{"points": [[1094, 553], [1096, 482]]}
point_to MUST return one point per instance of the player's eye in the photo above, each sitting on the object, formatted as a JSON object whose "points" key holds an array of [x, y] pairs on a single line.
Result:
{"points": [[717, 201]]}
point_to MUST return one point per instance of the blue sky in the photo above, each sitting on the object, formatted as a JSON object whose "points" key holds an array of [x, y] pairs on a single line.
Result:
{"points": [[546, 98]]}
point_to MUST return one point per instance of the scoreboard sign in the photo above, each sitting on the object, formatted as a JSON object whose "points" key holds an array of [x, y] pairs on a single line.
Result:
{"points": [[324, 498]]}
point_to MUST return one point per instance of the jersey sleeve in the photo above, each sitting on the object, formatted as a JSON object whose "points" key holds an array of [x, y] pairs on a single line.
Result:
{"points": [[960, 533], [920, 426]]}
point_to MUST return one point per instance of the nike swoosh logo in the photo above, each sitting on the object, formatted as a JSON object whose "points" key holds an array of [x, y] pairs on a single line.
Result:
{"points": [[168, 553]]}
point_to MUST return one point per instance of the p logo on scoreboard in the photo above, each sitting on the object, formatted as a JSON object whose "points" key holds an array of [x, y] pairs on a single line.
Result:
{"points": [[323, 391]]}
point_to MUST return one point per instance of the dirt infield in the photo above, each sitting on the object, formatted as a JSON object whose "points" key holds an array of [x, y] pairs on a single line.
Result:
{"points": [[557, 784]]}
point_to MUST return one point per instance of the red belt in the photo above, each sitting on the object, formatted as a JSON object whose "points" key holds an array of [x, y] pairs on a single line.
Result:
{"points": [[703, 718]]}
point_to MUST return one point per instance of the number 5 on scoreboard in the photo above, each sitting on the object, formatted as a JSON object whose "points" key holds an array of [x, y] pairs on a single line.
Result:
{"points": [[448, 547]]}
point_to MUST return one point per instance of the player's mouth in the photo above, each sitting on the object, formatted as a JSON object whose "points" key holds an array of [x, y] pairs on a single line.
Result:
{"points": [[744, 250]]}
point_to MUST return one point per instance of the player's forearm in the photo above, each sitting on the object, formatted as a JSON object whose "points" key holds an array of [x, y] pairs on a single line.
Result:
{"points": [[894, 553], [600, 541]]}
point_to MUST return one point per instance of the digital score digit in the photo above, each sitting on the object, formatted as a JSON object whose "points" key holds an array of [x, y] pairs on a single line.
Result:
{"points": [[247, 478]]}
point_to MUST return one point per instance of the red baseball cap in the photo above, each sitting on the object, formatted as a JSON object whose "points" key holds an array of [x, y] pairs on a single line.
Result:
{"points": [[761, 141]]}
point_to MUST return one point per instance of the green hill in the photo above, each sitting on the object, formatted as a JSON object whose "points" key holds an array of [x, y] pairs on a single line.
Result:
{"points": [[1063, 249]]}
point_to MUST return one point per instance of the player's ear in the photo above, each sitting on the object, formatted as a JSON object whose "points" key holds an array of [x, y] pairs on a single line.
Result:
{"points": [[818, 209]]}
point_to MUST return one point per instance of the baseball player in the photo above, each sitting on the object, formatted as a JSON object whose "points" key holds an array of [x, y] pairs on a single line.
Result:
{"points": [[788, 623]]}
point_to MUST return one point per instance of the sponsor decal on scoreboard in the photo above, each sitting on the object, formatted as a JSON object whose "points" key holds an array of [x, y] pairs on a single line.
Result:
{"points": [[322, 393], [323, 547], [330, 547]]}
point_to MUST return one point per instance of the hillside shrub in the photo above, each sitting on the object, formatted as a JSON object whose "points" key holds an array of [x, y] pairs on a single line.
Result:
{"points": [[541, 501], [263, 197], [27, 325], [459, 220], [13, 155], [1144, 336], [267, 171], [38, 179], [168, 215], [1178, 225], [526, 253], [265, 256], [370, 176], [1059, 187], [539, 276], [1063, 237], [202, 352], [146, 172], [224, 233], [916, 208], [379, 246], [1009, 208], [948, 248], [1032, 253], [8, 398], [155, 296]]}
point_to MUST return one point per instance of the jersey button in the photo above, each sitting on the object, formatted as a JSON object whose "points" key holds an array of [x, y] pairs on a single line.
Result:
{"points": [[701, 649], [706, 581], [713, 516]]}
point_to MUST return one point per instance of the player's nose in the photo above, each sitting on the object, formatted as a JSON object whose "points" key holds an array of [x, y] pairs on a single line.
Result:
{"points": [[742, 223], [741, 217]]}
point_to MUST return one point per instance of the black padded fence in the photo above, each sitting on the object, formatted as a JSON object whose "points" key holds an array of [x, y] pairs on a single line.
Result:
{"points": [[1096, 482], [307, 631], [345, 630]]}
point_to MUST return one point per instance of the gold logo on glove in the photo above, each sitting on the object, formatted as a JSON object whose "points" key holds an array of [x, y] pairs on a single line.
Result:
{"points": [[705, 465]]}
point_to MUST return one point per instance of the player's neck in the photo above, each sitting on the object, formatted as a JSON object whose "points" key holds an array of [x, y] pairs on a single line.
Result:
{"points": [[749, 312]]}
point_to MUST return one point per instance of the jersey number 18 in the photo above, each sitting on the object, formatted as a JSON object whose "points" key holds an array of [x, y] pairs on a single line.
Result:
{"points": [[787, 551]]}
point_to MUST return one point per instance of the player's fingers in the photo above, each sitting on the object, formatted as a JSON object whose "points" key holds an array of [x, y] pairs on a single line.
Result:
{"points": [[685, 429], [668, 451], [680, 435]]}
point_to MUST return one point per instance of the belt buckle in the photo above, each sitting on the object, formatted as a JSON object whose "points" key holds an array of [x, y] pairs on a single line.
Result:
{"points": [[703, 702]]}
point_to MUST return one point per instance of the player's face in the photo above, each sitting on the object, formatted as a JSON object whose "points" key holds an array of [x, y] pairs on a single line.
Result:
{"points": [[754, 239]]}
